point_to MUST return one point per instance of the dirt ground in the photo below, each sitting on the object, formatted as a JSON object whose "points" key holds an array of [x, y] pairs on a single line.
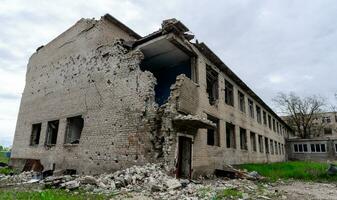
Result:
{"points": [[307, 190]]}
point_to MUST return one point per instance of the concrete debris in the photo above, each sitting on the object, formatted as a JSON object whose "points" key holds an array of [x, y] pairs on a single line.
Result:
{"points": [[148, 181]]}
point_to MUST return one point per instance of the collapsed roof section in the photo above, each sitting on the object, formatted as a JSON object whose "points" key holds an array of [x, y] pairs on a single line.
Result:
{"points": [[173, 40]]}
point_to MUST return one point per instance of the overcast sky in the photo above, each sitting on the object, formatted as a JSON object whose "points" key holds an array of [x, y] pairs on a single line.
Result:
{"points": [[273, 46]]}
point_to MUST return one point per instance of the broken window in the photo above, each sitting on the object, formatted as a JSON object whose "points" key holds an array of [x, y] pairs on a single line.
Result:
{"points": [[258, 114], [260, 143], [74, 130], [52, 129], [213, 136], [253, 141], [212, 85], [264, 118], [230, 135], [327, 131], [242, 102], [35, 136], [251, 108], [266, 144], [269, 121], [229, 93], [276, 149], [274, 125], [243, 139]]}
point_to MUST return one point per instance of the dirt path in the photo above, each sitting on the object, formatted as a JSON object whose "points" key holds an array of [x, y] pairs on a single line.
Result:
{"points": [[307, 190]]}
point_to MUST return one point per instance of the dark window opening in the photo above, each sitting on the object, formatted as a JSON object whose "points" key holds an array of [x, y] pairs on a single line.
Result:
{"points": [[35, 136], [260, 143], [264, 118], [295, 148], [230, 135], [271, 146], [258, 114], [52, 129], [74, 130], [305, 147], [266, 144], [327, 131], [322, 147], [213, 136], [253, 141], [243, 139], [229, 93], [212, 85], [312, 147], [242, 102], [276, 149], [269, 121], [274, 125], [251, 108]]}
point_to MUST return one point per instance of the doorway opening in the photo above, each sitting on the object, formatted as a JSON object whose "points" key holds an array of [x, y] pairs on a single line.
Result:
{"points": [[184, 157]]}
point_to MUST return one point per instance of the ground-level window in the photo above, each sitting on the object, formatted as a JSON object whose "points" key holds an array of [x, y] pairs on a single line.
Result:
{"points": [[260, 143], [35, 135], [317, 148], [271, 144], [74, 130], [213, 136], [253, 141], [279, 148], [243, 139], [230, 135], [276, 149], [300, 148], [266, 144], [336, 147], [52, 130]]}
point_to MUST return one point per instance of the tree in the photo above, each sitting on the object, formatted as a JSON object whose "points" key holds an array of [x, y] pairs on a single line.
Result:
{"points": [[300, 112]]}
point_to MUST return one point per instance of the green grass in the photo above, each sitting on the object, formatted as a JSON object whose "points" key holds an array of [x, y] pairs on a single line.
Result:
{"points": [[300, 170], [3, 158], [49, 195], [231, 193]]}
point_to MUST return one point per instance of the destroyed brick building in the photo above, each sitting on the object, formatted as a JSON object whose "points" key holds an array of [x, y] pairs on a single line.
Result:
{"points": [[99, 98]]}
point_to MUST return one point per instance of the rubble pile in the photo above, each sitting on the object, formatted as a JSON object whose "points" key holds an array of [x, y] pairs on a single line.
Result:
{"points": [[150, 182]]}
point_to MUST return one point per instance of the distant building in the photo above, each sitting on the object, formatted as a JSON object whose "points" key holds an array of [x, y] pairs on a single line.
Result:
{"points": [[322, 143]]}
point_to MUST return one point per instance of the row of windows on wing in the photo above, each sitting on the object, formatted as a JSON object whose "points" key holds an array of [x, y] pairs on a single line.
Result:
{"points": [[309, 148], [73, 132], [212, 90], [213, 139]]}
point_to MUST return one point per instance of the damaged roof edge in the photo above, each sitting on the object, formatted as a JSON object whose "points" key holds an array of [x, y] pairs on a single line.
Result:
{"points": [[122, 26], [208, 53]]}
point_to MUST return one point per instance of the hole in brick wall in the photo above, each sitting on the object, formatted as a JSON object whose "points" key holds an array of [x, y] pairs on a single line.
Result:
{"points": [[116, 161], [112, 143], [97, 163], [109, 82]]}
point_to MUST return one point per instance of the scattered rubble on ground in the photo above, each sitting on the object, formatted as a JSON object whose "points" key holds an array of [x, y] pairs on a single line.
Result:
{"points": [[151, 182]]}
